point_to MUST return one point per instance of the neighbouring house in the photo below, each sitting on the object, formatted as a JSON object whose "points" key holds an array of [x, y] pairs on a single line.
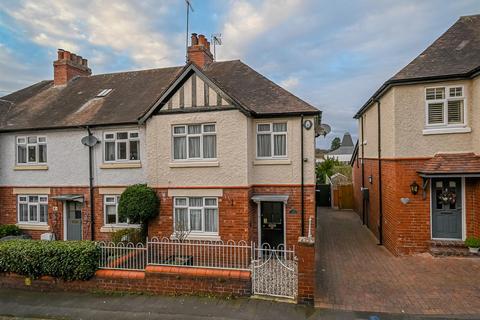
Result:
{"points": [[220, 143], [344, 153], [320, 155], [416, 166]]}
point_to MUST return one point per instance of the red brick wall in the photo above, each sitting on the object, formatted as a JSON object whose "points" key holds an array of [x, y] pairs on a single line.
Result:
{"points": [[472, 199], [140, 282], [8, 203], [306, 272], [406, 228], [293, 221], [238, 213]]}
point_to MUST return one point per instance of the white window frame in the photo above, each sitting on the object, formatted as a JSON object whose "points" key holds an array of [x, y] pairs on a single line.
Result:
{"points": [[32, 204], [117, 141], [272, 139], [116, 200], [445, 101], [27, 145], [187, 135], [203, 207]]}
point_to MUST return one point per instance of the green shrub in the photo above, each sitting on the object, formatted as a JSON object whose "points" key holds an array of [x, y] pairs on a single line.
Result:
{"points": [[128, 235], [472, 242], [138, 203], [72, 260], [9, 230]]}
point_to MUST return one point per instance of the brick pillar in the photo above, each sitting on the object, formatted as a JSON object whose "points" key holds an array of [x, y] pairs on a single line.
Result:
{"points": [[306, 270]]}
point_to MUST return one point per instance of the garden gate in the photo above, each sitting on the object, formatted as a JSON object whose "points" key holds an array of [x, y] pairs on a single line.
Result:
{"points": [[274, 272]]}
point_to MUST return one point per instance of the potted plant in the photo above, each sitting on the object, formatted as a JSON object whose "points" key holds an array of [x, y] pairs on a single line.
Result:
{"points": [[473, 244]]}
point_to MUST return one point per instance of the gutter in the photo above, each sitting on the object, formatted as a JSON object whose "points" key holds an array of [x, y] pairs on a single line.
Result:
{"points": [[90, 179], [380, 202], [302, 177], [363, 174]]}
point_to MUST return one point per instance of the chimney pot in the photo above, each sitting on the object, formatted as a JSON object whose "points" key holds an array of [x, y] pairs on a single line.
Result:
{"points": [[199, 51], [60, 53], [194, 39], [67, 66], [201, 40]]}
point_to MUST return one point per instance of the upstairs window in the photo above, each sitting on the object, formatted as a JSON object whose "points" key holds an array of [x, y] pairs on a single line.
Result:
{"points": [[445, 106], [122, 146], [32, 209], [272, 140], [32, 150], [194, 142]]}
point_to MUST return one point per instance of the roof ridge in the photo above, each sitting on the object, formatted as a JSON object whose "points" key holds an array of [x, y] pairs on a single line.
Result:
{"points": [[277, 85]]}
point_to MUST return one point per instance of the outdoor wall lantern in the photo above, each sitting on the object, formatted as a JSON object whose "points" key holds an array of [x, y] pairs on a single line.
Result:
{"points": [[414, 188]]}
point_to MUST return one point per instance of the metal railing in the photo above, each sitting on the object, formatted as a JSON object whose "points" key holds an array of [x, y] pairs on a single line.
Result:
{"points": [[202, 254], [122, 256], [166, 252]]}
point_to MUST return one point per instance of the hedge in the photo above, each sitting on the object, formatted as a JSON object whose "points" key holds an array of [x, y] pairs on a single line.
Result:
{"points": [[72, 260], [9, 230]]}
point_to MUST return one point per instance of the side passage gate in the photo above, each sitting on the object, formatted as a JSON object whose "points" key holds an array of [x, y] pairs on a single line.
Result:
{"points": [[274, 272]]}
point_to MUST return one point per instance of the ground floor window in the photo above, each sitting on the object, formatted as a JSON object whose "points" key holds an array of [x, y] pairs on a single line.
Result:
{"points": [[33, 209], [196, 215], [111, 210]]}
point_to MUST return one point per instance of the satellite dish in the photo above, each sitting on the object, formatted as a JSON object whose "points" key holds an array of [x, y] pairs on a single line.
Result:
{"points": [[322, 130], [89, 141], [326, 128]]}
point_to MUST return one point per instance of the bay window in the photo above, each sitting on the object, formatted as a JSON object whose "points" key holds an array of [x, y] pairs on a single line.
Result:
{"points": [[196, 215], [194, 142], [272, 140], [445, 106], [33, 209], [121, 146], [31, 150]]}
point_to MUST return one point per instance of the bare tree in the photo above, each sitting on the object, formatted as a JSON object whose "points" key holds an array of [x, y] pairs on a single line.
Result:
{"points": [[181, 230]]}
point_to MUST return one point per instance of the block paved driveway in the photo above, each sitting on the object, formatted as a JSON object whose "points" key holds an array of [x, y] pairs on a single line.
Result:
{"points": [[354, 273]]}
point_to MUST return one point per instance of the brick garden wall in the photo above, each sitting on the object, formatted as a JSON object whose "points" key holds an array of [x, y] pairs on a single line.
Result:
{"points": [[167, 282]]}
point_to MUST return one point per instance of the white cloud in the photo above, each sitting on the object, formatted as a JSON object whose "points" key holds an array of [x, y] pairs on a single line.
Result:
{"points": [[124, 27], [290, 82], [245, 22]]}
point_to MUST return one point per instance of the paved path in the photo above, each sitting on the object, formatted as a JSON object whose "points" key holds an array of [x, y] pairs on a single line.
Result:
{"points": [[31, 305], [354, 273]]}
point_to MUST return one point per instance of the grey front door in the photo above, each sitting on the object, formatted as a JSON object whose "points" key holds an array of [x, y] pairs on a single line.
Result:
{"points": [[447, 208], [74, 220]]}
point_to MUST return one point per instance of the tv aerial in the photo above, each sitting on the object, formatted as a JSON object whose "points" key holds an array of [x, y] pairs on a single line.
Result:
{"points": [[216, 40]]}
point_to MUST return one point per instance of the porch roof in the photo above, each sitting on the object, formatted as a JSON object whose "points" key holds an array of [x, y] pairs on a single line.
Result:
{"points": [[450, 164], [69, 197], [270, 198]]}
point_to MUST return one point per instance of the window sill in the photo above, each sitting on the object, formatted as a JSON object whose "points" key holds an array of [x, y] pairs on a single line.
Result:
{"points": [[264, 162], [446, 130], [207, 237], [117, 227], [30, 167], [30, 226], [194, 164], [120, 165]]}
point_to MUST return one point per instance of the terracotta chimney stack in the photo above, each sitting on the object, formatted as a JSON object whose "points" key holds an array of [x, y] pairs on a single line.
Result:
{"points": [[199, 51], [67, 66]]}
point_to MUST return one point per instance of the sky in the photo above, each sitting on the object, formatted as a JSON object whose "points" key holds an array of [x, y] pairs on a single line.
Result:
{"points": [[332, 54]]}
